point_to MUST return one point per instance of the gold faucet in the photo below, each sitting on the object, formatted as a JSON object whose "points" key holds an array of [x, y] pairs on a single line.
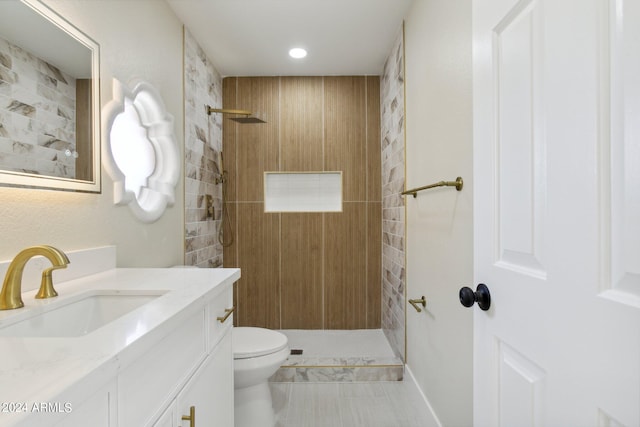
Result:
{"points": [[11, 294]]}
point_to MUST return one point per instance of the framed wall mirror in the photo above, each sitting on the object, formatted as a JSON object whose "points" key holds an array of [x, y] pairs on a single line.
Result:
{"points": [[49, 100]]}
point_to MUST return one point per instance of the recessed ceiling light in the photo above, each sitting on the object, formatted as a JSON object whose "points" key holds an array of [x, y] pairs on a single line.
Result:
{"points": [[297, 52]]}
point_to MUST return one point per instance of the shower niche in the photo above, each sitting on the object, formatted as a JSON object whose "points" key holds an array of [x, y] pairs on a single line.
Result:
{"points": [[303, 191]]}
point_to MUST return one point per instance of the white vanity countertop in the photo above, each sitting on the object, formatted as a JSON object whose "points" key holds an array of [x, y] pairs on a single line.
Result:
{"points": [[35, 370]]}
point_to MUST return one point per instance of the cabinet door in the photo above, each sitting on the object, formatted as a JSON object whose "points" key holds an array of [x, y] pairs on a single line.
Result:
{"points": [[96, 411], [210, 390], [146, 383], [168, 418]]}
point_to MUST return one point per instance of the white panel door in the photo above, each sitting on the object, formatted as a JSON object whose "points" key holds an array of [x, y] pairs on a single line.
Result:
{"points": [[557, 212]]}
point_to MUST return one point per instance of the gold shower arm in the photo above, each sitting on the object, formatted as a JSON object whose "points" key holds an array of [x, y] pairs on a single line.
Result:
{"points": [[248, 115], [414, 191], [227, 111]]}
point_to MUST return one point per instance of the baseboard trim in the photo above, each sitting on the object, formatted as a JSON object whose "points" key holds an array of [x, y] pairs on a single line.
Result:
{"points": [[412, 378]]}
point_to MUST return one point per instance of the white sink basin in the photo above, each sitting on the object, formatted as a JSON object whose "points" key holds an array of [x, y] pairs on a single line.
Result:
{"points": [[79, 316]]}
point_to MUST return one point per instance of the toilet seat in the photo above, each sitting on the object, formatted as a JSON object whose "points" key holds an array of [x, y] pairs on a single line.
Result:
{"points": [[251, 342]]}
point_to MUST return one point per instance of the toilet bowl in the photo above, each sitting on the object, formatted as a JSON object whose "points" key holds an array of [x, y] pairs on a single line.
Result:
{"points": [[257, 354]]}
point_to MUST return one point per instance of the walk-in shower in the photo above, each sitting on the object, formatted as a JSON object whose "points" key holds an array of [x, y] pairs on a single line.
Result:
{"points": [[314, 275]]}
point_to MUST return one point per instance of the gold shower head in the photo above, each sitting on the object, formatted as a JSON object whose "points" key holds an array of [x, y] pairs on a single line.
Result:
{"points": [[248, 118]]}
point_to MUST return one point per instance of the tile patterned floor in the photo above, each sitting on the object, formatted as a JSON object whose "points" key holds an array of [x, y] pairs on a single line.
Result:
{"points": [[379, 404]]}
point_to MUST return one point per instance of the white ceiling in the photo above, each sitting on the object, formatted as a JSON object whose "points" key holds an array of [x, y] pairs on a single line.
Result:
{"points": [[253, 37]]}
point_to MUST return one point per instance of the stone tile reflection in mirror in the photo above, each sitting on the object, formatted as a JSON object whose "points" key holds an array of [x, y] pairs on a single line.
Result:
{"points": [[38, 115], [47, 107]]}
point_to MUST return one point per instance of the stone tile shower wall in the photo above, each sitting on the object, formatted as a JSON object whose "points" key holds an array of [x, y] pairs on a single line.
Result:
{"points": [[203, 144], [393, 210], [37, 115]]}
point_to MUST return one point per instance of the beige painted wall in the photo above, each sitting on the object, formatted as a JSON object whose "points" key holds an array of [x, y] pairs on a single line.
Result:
{"points": [[439, 221], [140, 39]]}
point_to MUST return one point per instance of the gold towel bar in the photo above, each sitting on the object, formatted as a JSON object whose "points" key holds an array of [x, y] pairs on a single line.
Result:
{"points": [[457, 183]]}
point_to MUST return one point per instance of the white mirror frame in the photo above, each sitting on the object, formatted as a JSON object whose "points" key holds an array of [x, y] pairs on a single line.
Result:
{"points": [[159, 190]]}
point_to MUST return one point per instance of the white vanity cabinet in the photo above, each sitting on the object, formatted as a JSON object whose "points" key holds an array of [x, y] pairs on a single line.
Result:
{"points": [[209, 390], [168, 418], [145, 368], [154, 378], [96, 411]]}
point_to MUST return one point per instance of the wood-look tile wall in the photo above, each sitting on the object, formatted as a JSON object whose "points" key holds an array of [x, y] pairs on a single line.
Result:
{"points": [[305, 270]]}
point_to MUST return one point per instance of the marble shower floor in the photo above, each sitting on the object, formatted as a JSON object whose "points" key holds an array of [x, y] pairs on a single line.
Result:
{"points": [[339, 356], [340, 343]]}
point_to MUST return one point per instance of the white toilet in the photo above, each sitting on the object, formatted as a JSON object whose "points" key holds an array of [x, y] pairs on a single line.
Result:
{"points": [[257, 354]]}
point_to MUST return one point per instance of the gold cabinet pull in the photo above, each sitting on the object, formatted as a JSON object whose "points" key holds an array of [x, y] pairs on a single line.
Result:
{"points": [[191, 417], [227, 313], [422, 301]]}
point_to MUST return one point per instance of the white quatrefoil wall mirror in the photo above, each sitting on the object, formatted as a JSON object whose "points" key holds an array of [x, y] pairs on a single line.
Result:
{"points": [[141, 153]]}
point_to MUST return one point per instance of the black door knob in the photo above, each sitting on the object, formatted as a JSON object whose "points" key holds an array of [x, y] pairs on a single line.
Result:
{"points": [[481, 296]]}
